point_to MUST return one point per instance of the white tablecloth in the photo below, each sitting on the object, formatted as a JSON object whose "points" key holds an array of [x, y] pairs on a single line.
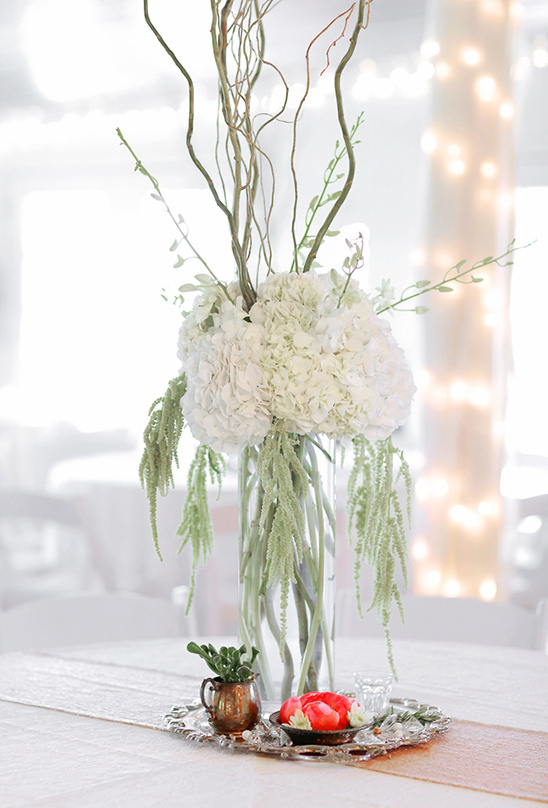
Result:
{"points": [[54, 759]]}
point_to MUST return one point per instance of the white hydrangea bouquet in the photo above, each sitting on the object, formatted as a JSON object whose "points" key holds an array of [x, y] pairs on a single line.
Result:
{"points": [[282, 370], [310, 354]]}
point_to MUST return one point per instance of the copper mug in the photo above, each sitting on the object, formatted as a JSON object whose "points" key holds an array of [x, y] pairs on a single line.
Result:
{"points": [[232, 707]]}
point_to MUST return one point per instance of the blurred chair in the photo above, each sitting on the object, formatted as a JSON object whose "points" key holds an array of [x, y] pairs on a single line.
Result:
{"points": [[47, 546], [528, 581], [88, 618], [452, 620]]}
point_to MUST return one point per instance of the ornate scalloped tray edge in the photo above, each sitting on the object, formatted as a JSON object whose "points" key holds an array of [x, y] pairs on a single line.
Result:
{"points": [[407, 723]]}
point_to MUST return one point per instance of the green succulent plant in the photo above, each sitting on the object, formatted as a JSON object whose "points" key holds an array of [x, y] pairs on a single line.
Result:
{"points": [[227, 663]]}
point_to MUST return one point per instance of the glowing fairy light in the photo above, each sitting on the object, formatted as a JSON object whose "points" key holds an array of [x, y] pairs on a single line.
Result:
{"points": [[456, 167], [477, 395], [431, 486], [453, 150], [430, 48], [452, 588], [458, 390], [430, 581], [443, 70], [470, 57], [420, 549], [469, 519], [480, 396], [488, 589], [488, 169], [516, 10], [489, 507], [429, 142], [486, 88], [506, 110], [493, 8]]}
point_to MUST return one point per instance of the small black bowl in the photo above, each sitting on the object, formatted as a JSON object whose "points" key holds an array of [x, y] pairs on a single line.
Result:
{"points": [[305, 737]]}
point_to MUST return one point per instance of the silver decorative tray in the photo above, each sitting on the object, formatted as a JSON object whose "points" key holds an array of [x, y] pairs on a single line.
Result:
{"points": [[406, 723]]}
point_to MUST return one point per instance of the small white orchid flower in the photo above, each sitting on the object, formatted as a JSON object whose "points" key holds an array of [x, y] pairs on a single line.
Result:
{"points": [[356, 715], [300, 721]]}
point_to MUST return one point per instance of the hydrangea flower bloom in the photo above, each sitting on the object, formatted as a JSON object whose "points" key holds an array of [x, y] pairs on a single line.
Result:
{"points": [[311, 352]]}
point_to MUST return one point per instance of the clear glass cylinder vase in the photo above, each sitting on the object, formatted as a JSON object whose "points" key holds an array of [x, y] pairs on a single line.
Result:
{"points": [[295, 640]]}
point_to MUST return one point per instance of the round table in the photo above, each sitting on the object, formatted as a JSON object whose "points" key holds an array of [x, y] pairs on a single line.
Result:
{"points": [[80, 728]]}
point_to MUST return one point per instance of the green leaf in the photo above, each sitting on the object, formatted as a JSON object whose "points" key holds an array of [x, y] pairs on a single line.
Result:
{"points": [[445, 288], [313, 202], [476, 280], [154, 196], [179, 263], [421, 309], [332, 233], [422, 284], [174, 246], [460, 264]]}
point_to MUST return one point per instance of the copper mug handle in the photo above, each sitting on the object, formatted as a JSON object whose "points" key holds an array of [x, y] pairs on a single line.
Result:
{"points": [[210, 709]]}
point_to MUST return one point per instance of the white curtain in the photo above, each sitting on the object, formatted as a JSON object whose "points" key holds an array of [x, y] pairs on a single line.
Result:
{"points": [[466, 332]]}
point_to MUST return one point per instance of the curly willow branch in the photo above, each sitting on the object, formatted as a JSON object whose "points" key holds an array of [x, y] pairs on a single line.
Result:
{"points": [[161, 437], [376, 518], [236, 246], [358, 27]]}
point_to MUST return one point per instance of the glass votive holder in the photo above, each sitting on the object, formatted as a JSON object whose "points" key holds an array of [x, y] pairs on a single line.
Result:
{"points": [[373, 690]]}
